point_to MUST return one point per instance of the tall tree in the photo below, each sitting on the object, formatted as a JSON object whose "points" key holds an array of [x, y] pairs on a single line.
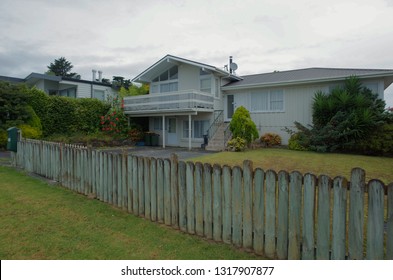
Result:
{"points": [[61, 67]]}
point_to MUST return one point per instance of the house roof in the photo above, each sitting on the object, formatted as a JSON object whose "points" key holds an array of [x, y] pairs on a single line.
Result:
{"points": [[11, 79], [33, 78], [169, 60], [308, 75]]}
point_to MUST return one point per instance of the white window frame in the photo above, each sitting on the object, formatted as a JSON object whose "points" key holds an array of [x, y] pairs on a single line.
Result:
{"points": [[193, 123], [269, 101], [156, 87]]}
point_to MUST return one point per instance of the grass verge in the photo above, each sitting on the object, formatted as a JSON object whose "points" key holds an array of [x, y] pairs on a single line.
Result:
{"points": [[41, 221], [317, 163]]}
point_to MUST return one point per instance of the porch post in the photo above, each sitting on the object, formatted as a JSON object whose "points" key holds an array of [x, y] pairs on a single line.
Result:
{"points": [[189, 131], [163, 131]]}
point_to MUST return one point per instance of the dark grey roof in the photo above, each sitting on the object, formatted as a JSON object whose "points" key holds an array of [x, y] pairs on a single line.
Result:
{"points": [[307, 75], [11, 79]]}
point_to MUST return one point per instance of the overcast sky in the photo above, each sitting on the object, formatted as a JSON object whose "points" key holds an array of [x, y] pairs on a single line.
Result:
{"points": [[123, 37]]}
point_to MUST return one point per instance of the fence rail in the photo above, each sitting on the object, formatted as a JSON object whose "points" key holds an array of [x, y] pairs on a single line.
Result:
{"points": [[280, 215]]}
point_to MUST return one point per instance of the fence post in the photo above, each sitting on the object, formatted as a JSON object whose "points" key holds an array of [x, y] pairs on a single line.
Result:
{"points": [[174, 191], [198, 174], [309, 217], [226, 204], [339, 218], [282, 215], [237, 201], [323, 224], [207, 201], [259, 211], [135, 187], [129, 184], [167, 192], [375, 220], [190, 198], [294, 223], [153, 189], [147, 187], [160, 190], [182, 196], [389, 241], [356, 214], [247, 204], [270, 222], [217, 206]]}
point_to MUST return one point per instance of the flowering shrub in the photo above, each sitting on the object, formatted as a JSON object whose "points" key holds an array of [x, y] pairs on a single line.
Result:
{"points": [[115, 121], [271, 139], [237, 144]]}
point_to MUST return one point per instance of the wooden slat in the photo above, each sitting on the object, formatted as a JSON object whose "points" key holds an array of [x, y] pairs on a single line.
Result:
{"points": [[147, 186], [135, 186], [119, 170], [167, 193], [207, 201], [124, 182], [375, 220], [182, 196], [217, 205], [259, 211], [160, 190], [190, 198], [226, 204], [270, 218], [247, 204], [153, 188], [356, 214], [141, 187], [339, 218], [174, 191], [282, 215], [308, 240], [237, 207], [129, 184], [389, 231], [294, 223], [323, 223], [198, 175]]}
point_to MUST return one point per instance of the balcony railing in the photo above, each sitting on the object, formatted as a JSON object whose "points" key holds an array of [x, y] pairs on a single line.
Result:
{"points": [[190, 100]]}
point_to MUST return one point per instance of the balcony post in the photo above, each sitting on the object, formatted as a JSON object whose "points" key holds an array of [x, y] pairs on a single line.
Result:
{"points": [[163, 131], [189, 131]]}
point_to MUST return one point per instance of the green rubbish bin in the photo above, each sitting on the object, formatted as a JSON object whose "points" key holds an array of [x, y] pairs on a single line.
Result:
{"points": [[148, 139], [13, 135], [154, 139]]}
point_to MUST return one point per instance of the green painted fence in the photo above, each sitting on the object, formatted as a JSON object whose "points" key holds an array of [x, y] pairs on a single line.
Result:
{"points": [[283, 216]]}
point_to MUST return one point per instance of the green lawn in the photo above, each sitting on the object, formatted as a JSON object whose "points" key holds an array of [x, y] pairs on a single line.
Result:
{"points": [[41, 221], [316, 163]]}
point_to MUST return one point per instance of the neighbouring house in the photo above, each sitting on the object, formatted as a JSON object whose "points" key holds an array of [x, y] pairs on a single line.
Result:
{"points": [[190, 101], [67, 86]]}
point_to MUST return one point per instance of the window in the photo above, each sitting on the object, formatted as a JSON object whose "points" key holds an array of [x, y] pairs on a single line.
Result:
{"points": [[166, 81], [205, 84], [99, 94], [157, 123], [200, 128], [268, 100], [69, 92]]}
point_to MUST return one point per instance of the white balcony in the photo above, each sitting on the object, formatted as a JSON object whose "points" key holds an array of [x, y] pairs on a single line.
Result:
{"points": [[190, 101]]}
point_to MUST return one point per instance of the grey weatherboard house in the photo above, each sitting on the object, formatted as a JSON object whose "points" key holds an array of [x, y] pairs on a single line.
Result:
{"points": [[189, 99]]}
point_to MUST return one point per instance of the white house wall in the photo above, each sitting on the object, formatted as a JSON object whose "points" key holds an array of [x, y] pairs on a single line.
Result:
{"points": [[188, 77], [297, 107]]}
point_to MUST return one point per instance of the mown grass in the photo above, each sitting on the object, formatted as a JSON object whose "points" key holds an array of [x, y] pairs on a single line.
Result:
{"points": [[42, 221], [317, 163]]}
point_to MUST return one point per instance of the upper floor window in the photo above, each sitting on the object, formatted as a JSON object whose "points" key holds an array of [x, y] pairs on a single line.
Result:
{"points": [[166, 81], [205, 81], [267, 100]]}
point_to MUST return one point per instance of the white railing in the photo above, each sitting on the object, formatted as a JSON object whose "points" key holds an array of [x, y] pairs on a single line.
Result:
{"points": [[190, 100]]}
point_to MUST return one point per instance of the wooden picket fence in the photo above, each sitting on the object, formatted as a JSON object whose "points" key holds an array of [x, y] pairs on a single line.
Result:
{"points": [[279, 215]]}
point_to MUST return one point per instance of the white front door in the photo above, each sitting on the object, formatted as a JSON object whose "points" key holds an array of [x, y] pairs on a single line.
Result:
{"points": [[171, 132]]}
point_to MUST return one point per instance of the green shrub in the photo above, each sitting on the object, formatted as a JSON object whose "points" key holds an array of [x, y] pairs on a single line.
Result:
{"points": [[294, 143], [237, 144], [380, 142], [271, 139], [242, 125], [3, 138], [30, 132]]}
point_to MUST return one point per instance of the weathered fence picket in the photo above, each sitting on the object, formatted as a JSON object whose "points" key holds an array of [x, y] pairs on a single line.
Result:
{"points": [[284, 216]]}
